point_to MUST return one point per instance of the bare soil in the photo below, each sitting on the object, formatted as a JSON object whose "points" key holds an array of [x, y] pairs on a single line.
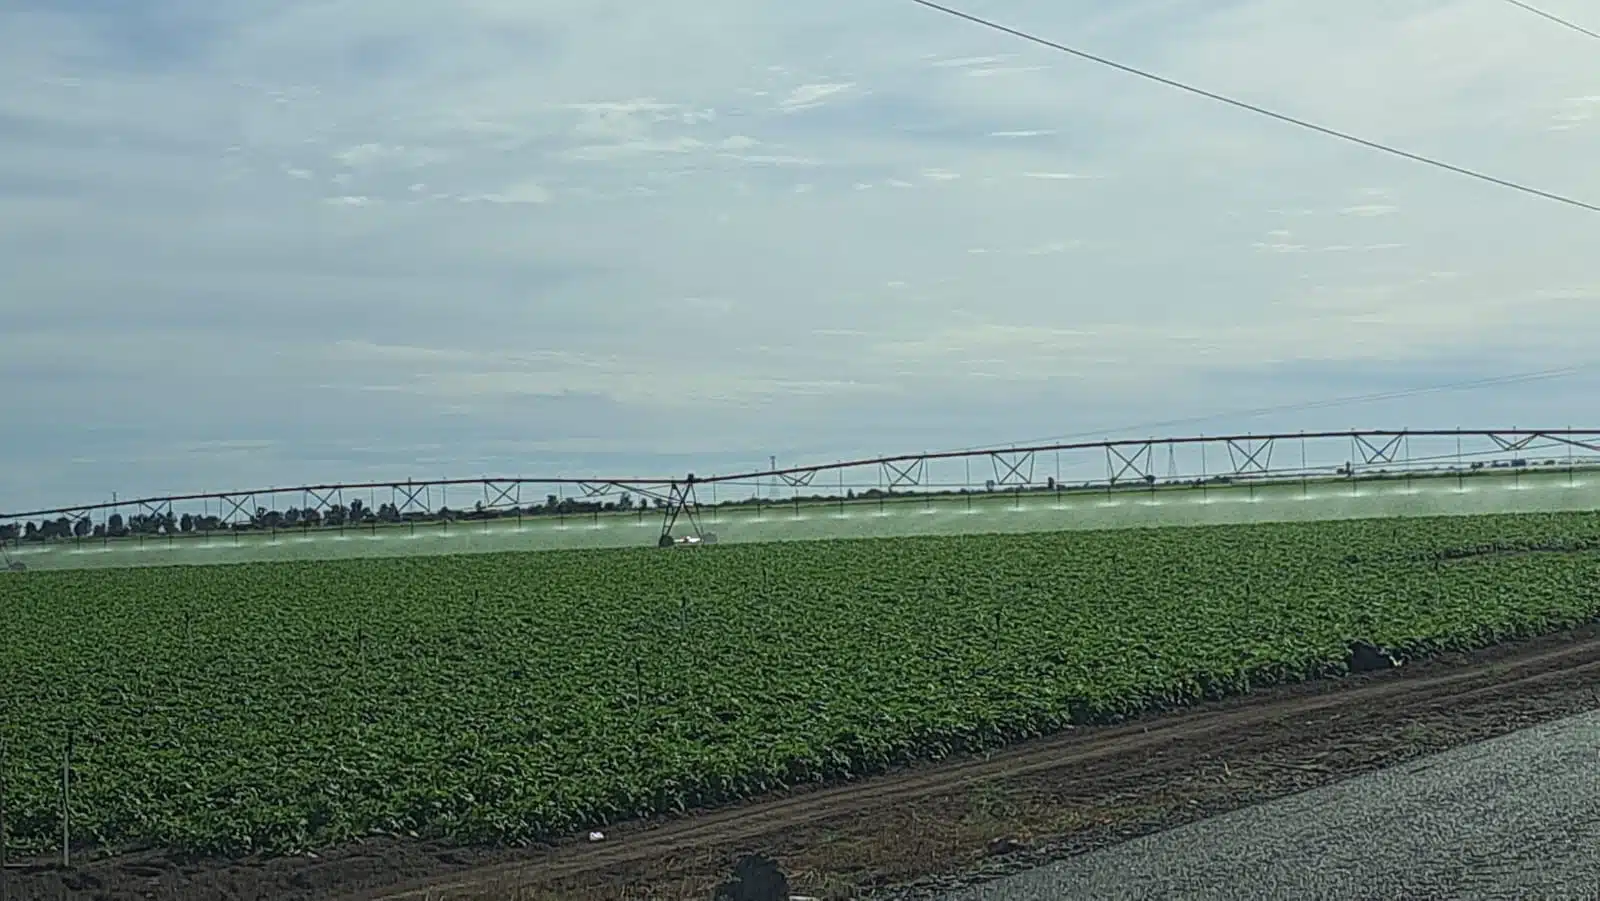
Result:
{"points": [[924, 829]]}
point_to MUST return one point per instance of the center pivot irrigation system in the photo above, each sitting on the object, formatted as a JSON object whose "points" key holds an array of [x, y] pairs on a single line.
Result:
{"points": [[1238, 460]]}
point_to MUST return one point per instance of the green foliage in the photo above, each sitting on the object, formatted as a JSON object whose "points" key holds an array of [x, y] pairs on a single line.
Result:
{"points": [[514, 696]]}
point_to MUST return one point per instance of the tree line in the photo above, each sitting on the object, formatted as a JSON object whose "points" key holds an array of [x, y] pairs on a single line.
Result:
{"points": [[358, 513]]}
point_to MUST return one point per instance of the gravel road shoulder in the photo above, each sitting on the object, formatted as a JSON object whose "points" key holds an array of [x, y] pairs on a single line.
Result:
{"points": [[1508, 818]]}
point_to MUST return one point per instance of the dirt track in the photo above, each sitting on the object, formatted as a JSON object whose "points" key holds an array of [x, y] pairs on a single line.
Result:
{"points": [[960, 819]]}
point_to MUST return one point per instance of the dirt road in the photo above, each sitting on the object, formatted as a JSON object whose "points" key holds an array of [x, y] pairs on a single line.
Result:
{"points": [[959, 820]]}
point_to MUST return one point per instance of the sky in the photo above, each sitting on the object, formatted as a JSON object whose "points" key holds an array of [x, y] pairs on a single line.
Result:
{"points": [[251, 244]]}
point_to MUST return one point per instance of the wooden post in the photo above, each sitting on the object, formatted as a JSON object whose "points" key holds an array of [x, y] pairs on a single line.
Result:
{"points": [[3, 889], [5, 880], [66, 803]]}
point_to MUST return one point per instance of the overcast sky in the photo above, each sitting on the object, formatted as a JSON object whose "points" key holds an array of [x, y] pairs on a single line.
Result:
{"points": [[265, 242]]}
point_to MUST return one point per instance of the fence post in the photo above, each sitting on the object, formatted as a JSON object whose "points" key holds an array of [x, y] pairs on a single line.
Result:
{"points": [[3, 889], [66, 802], [5, 880]]}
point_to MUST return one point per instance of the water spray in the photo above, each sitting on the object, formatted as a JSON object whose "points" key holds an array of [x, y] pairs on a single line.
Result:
{"points": [[12, 564]]}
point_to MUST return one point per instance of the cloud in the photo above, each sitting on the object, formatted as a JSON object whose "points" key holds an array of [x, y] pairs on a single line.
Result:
{"points": [[967, 62], [1575, 112], [522, 192], [808, 96], [1370, 209], [552, 236], [370, 156]]}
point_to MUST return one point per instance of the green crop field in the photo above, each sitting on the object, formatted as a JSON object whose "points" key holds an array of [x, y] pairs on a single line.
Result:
{"points": [[512, 696]]}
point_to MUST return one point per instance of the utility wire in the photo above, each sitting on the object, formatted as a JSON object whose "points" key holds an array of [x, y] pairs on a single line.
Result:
{"points": [[1311, 126], [1555, 18]]}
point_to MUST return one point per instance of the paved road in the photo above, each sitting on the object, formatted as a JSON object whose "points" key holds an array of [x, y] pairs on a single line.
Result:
{"points": [[1513, 818]]}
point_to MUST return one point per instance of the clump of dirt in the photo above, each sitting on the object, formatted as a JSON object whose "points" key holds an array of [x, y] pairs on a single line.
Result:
{"points": [[756, 877]]}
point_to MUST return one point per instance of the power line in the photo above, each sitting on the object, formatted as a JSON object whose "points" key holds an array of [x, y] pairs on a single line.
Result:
{"points": [[1555, 18], [1263, 111]]}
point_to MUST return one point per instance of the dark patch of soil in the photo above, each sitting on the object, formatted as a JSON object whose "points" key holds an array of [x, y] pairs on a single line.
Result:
{"points": [[755, 878], [1369, 658]]}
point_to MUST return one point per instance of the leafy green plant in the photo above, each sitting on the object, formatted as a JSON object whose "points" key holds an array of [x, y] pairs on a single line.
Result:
{"points": [[516, 696]]}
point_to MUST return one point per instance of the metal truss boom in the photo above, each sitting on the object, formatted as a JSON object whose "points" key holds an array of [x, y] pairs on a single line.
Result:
{"points": [[1014, 467], [1253, 450]]}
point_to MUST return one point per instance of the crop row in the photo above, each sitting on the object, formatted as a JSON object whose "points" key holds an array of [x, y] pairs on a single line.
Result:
{"points": [[514, 696]]}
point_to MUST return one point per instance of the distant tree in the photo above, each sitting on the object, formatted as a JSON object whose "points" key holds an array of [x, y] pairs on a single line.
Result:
{"points": [[186, 524], [82, 528], [115, 526]]}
